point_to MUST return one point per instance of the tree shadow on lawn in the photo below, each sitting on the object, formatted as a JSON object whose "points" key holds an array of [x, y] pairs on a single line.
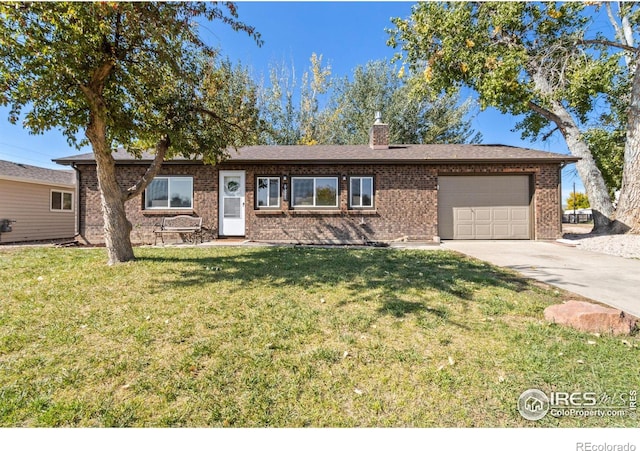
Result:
{"points": [[396, 277]]}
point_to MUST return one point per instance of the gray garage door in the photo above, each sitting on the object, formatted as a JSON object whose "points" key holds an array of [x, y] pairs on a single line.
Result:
{"points": [[484, 207]]}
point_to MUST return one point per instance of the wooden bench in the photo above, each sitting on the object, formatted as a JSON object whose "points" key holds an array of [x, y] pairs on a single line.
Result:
{"points": [[189, 228]]}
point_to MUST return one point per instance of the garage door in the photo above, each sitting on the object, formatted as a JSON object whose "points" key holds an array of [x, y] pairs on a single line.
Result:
{"points": [[484, 207]]}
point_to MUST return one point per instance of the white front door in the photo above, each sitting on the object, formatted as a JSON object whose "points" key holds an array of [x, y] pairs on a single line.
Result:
{"points": [[231, 203]]}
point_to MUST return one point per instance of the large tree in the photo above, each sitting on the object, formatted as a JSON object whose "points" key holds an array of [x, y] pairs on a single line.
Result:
{"points": [[379, 87], [626, 22], [278, 108], [331, 110], [608, 131], [524, 58], [124, 73], [292, 110]]}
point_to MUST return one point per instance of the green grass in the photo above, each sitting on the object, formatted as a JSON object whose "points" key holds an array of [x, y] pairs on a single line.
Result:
{"points": [[286, 337]]}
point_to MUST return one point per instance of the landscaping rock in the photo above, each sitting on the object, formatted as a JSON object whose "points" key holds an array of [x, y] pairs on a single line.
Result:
{"points": [[593, 318]]}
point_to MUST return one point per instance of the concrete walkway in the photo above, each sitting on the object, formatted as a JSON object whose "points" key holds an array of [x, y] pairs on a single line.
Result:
{"points": [[614, 281]]}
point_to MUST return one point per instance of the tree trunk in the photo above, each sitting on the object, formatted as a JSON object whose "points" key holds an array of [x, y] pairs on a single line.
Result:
{"points": [[117, 228], [627, 217], [591, 176]]}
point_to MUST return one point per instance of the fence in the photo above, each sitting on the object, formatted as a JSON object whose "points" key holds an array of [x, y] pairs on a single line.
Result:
{"points": [[577, 218]]}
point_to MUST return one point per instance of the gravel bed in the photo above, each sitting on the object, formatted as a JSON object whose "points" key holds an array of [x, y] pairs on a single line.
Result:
{"points": [[627, 246]]}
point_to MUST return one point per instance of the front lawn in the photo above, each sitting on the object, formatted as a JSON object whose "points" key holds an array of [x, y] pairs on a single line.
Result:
{"points": [[287, 337]]}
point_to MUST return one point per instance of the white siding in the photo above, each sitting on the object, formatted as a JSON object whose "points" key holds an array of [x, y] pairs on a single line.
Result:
{"points": [[29, 205]]}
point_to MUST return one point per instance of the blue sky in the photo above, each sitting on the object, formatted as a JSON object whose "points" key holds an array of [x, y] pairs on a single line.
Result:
{"points": [[347, 34]]}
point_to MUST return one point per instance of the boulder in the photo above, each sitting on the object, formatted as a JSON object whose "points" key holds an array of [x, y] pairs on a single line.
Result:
{"points": [[593, 318]]}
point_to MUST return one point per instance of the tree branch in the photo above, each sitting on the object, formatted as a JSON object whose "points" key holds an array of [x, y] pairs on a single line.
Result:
{"points": [[93, 90], [100, 75], [609, 44], [612, 19], [548, 135], [116, 39], [548, 115], [217, 117], [161, 150]]}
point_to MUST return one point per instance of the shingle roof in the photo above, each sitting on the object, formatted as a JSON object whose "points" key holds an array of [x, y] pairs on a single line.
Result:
{"points": [[405, 153], [28, 173]]}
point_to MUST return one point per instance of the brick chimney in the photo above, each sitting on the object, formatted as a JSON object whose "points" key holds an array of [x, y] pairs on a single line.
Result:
{"points": [[379, 134]]}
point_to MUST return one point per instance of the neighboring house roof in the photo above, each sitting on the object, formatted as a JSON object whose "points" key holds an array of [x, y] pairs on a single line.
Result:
{"points": [[33, 174], [404, 153]]}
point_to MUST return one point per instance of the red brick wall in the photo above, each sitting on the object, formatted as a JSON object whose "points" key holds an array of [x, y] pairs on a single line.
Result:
{"points": [[548, 203], [405, 202]]}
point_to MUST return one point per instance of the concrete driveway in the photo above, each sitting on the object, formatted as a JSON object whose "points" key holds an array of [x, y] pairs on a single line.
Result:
{"points": [[614, 281]]}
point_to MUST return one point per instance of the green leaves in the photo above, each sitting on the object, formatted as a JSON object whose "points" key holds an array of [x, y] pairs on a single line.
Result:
{"points": [[288, 122], [498, 48], [608, 151], [577, 201], [131, 73], [412, 118], [137, 65], [350, 107], [540, 61]]}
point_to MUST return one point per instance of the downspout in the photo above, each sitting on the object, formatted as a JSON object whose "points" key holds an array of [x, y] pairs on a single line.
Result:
{"points": [[77, 221], [560, 168]]}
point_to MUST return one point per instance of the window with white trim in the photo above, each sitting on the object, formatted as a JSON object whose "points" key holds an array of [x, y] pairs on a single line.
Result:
{"points": [[169, 193], [314, 192], [61, 200], [268, 192], [361, 192]]}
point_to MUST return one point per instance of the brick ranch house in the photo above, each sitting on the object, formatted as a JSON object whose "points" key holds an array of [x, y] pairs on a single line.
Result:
{"points": [[343, 194]]}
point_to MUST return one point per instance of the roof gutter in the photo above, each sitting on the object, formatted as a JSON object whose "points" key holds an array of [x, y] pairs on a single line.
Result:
{"points": [[35, 181], [77, 209], [563, 162]]}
